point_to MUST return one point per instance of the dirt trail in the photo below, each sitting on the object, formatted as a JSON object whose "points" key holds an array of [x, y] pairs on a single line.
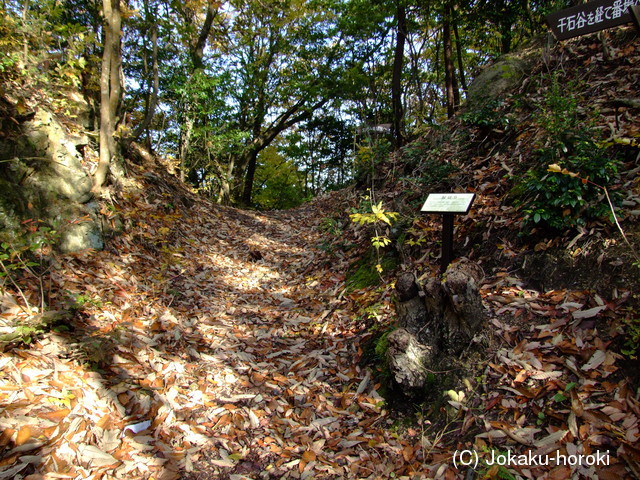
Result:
{"points": [[212, 343], [208, 344]]}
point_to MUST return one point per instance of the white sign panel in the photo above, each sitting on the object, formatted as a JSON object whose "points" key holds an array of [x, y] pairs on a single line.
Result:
{"points": [[448, 203]]}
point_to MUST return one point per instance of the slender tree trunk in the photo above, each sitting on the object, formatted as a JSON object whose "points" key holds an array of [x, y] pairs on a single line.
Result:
{"points": [[197, 59], [152, 93], [185, 142], [506, 36], [461, 75], [262, 138], [252, 164], [110, 87], [25, 41], [415, 77], [396, 83], [449, 69], [224, 196]]}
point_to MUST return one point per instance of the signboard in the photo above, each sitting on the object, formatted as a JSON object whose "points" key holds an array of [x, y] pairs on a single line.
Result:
{"points": [[635, 13], [448, 203], [590, 17]]}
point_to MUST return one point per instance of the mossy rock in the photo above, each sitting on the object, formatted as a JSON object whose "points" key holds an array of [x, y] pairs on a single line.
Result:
{"points": [[502, 76]]}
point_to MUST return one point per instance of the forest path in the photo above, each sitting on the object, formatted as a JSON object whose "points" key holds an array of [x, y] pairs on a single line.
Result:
{"points": [[291, 401], [213, 343], [205, 343]]}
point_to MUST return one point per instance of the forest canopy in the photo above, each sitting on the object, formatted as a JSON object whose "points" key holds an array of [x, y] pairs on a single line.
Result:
{"points": [[262, 103]]}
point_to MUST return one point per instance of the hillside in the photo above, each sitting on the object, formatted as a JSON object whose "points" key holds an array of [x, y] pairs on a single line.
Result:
{"points": [[489, 148], [210, 342]]}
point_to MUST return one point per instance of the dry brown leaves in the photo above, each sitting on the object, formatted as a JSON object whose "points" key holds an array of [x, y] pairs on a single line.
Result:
{"points": [[188, 354], [194, 360]]}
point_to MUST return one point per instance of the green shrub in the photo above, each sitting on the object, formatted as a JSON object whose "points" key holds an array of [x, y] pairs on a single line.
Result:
{"points": [[365, 272], [491, 115], [368, 157], [428, 170], [632, 342], [27, 255], [568, 140]]}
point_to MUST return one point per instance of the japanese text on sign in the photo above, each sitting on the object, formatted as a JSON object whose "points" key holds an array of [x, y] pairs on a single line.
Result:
{"points": [[448, 202], [590, 17]]}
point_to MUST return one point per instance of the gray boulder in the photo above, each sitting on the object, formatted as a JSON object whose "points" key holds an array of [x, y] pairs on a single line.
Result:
{"points": [[42, 178]]}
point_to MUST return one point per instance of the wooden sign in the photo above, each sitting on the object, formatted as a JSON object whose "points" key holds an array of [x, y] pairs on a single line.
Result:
{"points": [[635, 14], [590, 17], [448, 204]]}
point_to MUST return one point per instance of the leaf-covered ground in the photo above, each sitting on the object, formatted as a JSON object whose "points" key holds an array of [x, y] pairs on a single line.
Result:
{"points": [[209, 342]]}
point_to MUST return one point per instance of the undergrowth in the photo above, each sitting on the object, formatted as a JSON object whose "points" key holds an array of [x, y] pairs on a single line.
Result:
{"points": [[569, 140]]}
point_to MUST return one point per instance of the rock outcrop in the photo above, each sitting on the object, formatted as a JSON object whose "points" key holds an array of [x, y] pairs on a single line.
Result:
{"points": [[42, 179], [503, 75]]}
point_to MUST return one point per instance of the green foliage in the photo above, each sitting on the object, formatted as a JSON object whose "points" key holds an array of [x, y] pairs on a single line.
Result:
{"points": [[491, 115], [9, 43], [21, 253], [47, 41], [368, 156], [375, 217], [27, 255], [430, 171], [331, 226], [361, 275], [278, 184], [382, 345], [377, 214], [564, 201], [84, 301], [632, 341], [365, 272]]}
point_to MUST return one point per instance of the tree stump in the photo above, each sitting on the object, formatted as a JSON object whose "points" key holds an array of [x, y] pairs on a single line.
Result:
{"points": [[408, 359], [436, 323]]}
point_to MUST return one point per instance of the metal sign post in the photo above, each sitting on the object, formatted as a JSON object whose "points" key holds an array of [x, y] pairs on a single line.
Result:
{"points": [[448, 205]]}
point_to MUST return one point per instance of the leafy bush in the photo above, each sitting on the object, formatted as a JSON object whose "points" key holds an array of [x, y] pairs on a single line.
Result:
{"points": [[331, 226], [561, 201], [376, 217], [27, 255], [632, 342]]}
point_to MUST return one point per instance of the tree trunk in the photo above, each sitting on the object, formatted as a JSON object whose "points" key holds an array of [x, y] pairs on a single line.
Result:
{"points": [[252, 164], [224, 197], [247, 162], [152, 95], [396, 84], [197, 59], [451, 88], [110, 88], [461, 75], [505, 37], [185, 142], [197, 51]]}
